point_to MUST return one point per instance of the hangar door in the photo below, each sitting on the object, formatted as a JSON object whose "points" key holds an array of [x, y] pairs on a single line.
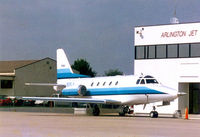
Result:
{"points": [[194, 98]]}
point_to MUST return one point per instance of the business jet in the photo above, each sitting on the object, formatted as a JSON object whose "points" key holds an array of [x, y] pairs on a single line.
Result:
{"points": [[124, 91]]}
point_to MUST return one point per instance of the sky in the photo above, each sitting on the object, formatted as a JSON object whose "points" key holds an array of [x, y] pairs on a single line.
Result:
{"points": [[100, 31]]}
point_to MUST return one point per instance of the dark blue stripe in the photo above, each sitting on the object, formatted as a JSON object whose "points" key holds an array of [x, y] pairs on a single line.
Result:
{"points": [[113, 91]]}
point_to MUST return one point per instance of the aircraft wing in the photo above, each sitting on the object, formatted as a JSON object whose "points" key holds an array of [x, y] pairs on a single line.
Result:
{"points": [[78, 100]]}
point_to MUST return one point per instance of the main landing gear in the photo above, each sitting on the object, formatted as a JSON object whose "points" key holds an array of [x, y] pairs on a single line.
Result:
{"points": [[124, 110], [153, 113], [95, 109]]}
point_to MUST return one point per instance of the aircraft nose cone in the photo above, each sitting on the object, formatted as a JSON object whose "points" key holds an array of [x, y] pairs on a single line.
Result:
{"points": [[175, 92], [181, 94]]}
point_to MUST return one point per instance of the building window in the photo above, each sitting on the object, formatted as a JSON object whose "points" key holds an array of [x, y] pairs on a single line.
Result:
{"points": [[172, 51], [140, 52], [152, 52], [195, 50], [6, 84], [183, 50], [167, 51], [161, 51]]}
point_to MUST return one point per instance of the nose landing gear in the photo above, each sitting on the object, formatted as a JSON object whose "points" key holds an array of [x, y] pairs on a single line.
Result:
{"points": [[153, 113]]}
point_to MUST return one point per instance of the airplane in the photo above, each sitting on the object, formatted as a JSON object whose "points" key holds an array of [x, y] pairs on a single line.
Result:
{"points": [[124, 91]]}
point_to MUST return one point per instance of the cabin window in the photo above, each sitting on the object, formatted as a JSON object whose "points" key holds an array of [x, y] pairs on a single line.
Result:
{"points": [[116, 83], [98, 84], [92, 84], [110, 83], [104, 83]]}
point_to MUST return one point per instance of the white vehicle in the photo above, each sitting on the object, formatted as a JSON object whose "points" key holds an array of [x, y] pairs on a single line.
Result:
{"points": [[119, 90]]}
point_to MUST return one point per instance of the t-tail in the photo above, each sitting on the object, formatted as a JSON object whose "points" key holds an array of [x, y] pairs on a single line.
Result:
{"points": [[63, 65], [64, 69]]}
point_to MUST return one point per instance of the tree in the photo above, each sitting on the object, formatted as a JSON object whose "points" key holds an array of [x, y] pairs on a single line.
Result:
{"points": [[113, 72], [83, 67]]}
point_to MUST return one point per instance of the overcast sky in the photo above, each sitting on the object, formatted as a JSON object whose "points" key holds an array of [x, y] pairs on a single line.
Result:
{"points": [[100, 31]]}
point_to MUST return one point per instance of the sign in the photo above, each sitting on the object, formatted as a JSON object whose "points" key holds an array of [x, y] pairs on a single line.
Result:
{"points": [[167, 34]]}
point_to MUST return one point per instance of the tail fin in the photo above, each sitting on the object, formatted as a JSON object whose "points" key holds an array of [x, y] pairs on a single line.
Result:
{"points": [[64, 69], [63, 65]]}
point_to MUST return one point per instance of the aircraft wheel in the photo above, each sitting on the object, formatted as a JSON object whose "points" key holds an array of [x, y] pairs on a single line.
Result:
{"points": [[124, 110], [96, 110], [153, 114]]}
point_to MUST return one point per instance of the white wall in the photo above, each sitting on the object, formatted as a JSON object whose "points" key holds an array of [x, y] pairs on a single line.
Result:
{"points": [[169, 72], [167, 34]]}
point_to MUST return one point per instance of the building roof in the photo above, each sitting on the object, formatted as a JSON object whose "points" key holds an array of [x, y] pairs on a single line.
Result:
{"points": [[10, 66], [7, 68]]}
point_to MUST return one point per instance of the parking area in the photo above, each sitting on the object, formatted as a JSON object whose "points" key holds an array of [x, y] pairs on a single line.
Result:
{"points": [[31, 124]]}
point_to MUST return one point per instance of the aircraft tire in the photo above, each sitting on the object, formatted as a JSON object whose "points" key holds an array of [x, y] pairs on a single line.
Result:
{"points": [[154, 114], [96, 110], [124, 110]]}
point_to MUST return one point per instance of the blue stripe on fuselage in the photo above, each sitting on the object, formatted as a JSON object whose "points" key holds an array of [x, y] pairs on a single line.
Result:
{"points": [[113, 91], [66, 73]]}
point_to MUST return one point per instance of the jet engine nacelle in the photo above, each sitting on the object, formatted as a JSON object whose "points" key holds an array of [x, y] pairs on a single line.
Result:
{"points": [[82, 90]]}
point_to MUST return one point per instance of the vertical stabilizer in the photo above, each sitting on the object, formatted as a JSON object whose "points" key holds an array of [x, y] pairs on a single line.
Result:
{"points": [[63, 65], [64, 69]]}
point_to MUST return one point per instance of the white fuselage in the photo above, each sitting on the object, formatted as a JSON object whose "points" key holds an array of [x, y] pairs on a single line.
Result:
{"points": [[128, 90]]}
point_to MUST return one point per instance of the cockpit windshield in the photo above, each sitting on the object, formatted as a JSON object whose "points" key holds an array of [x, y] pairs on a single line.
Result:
{"points": [[147, 80]]}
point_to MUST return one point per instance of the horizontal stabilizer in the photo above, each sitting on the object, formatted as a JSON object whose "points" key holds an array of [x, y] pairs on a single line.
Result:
{"points": [[59, 87]]}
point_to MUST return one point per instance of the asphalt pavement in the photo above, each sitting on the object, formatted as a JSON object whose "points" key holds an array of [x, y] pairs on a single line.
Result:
{"points": [[34, 124]]}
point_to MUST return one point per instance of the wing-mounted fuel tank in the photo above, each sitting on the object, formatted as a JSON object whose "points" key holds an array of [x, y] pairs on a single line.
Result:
{"points": [[82, 90]]}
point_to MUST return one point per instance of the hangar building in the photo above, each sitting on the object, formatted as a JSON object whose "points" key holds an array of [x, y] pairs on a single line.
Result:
{"points": [[13, 75], [171, 53]]}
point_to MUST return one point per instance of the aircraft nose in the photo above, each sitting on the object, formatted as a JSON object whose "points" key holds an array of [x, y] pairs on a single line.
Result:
{"points": [[181, 94], [175, 92]]}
